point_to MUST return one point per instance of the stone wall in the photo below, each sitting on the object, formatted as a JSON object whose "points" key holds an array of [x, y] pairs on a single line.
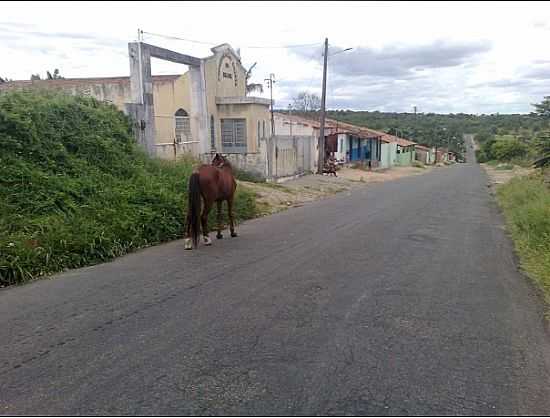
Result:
{"points": [[277, 158]]}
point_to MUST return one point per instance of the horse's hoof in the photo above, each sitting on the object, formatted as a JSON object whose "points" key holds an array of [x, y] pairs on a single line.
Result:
{"points": [[207, 241], [188, 244], [219, 236], [234, 234]]}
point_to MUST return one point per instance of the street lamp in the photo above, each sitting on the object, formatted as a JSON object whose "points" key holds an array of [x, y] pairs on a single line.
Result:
{"points": [[339, 52], [321, 158]]}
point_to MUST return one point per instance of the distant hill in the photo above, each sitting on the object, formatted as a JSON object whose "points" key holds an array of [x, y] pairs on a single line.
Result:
{"points": [[438, 129]]}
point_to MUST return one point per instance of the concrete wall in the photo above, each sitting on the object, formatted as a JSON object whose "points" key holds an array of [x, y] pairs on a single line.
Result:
{"points": [[169, 97], [424, 156], [405, 157], [288, 126], [291, 156], [389, 154], [277, 158], [173, 151]]}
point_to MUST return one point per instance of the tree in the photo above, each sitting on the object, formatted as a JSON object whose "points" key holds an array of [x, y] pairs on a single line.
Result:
{"points": [[542, 146], [543, 108], [55, 76], [307, 102], [252, 87], [35, 77], [507, 149]]}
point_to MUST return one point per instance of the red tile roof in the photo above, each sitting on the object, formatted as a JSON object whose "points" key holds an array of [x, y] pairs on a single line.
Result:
{"points": [[335, 125]]}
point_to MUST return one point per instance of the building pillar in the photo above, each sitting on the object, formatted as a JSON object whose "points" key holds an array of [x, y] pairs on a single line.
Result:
{"points": [[199, 108], [141, 86]]}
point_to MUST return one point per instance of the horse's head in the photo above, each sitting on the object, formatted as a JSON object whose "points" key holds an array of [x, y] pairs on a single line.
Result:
{"points": [[220, 161]]}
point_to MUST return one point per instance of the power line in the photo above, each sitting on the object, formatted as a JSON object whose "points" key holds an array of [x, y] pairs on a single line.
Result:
{"points": [[177, 38]]}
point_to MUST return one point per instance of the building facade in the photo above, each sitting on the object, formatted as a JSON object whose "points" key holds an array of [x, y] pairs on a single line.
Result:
{"points": [[236, 122]]}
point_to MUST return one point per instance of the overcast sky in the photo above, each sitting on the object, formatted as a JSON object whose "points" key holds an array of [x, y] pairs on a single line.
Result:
{"points": [[470, 57]]}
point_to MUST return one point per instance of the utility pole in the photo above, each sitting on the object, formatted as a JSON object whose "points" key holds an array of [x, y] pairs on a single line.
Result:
{"points": [[270, 82], [290, 114], [321, 162], [414, 130]]}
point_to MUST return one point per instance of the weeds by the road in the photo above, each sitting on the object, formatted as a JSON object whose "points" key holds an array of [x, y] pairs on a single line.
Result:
{"points": [[526, 205], [504, 167], [75, 190]]}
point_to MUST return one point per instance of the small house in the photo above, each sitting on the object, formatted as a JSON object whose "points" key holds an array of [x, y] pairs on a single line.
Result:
{"points": [[424, 154]]}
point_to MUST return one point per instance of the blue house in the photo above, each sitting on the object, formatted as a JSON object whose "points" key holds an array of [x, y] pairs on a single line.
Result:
{"points": [[354, 144]]}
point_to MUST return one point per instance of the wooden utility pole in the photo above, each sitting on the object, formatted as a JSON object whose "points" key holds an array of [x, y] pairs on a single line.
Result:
{"points": [[290, 114], [321, 162], [270, 82], [414, 129]]}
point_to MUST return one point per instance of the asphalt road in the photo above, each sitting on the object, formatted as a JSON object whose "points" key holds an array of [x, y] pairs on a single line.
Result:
{"points": [[398, 298]]}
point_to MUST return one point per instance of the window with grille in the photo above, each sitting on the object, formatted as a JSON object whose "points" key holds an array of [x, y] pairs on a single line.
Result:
{"points": [[183, 126], [233, 135], [212, 133]]}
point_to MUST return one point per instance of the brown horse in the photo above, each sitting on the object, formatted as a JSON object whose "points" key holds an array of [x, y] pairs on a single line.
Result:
{"points": [[214, 183]]}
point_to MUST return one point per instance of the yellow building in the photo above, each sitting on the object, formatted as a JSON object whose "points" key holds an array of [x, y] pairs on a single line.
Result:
{"points": [[236, 122]]}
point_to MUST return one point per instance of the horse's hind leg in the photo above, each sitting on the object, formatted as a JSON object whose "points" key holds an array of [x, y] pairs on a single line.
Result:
{"points": [[219, 234], [188, 244], [231, 221], [204, 221]]}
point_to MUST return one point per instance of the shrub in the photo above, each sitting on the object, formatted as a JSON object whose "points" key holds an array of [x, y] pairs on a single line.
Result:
{"points": [[507, 149], [76, 190]]}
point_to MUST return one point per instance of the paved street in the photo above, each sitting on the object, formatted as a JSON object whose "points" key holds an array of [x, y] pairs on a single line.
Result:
{"points": [[397, 298]]}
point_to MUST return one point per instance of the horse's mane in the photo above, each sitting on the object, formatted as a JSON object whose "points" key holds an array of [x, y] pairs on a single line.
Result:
{"points": [[227, 163]]}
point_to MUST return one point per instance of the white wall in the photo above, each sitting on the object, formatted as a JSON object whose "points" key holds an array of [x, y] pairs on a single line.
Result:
{"points": [[284, 125], [343, 147], [389, 152]]}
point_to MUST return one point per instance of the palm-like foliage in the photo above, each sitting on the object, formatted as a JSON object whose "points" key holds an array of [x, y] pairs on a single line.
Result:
{"points": [[252, 87]]}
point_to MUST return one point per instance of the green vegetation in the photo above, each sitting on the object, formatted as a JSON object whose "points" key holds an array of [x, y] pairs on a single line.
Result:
{"points": [[75, 190], [523, 145], [526, 205], [248, 176]]}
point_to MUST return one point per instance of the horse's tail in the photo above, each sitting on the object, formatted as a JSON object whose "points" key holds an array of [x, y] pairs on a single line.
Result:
{"points": [[194, 208]]}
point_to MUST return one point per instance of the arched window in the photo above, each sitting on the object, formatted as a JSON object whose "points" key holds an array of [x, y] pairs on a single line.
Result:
{"points": [[183, 126]]}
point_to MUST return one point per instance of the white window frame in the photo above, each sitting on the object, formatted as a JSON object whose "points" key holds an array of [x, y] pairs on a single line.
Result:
{"points": [[230, 129]]}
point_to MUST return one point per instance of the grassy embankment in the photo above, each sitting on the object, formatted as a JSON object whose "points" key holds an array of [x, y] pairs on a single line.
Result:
{"points": [[75, 190], [526, 205]]}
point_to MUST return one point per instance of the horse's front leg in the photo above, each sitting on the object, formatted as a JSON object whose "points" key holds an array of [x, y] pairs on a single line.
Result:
{"points": [[204, 221], [220, 226]]}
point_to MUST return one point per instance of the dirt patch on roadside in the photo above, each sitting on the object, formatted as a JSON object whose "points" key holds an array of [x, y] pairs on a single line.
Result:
{"points": [[274, 197], [503, 173], [382, 175]]}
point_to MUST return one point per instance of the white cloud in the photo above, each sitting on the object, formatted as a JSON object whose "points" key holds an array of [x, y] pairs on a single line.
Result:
{"points": [[446, 57]]}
